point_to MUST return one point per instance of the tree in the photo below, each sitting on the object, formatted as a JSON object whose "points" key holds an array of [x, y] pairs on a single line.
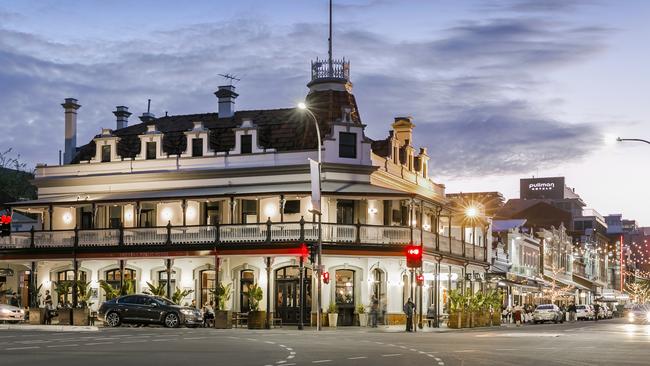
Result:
{"points": [[556, 290], [639, 291], [14, 178]]}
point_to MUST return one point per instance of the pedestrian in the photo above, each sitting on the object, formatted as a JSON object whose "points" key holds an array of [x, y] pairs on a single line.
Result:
{"points": [[518, 314], [374, 309], [409, 310], [48, 307], [572, 312], [596, 311], [14, 300], [193, 304]]}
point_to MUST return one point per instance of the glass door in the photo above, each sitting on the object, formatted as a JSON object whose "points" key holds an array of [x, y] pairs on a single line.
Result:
{"points": [[345, 296]]}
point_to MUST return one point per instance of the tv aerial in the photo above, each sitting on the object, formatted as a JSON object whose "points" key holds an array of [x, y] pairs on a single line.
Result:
{"points": [[230, 78]]}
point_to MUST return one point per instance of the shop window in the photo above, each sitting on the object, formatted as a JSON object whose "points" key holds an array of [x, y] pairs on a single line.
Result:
{"points": [[347, 145], [344, 286], [197, 147], [162, 280], [151, 150], [113, 277], [246, 144], [67, 276], [106, 153], [246, 281]]}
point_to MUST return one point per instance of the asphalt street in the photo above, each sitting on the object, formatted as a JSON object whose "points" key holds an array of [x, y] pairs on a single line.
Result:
{"points": [[611, 342]]}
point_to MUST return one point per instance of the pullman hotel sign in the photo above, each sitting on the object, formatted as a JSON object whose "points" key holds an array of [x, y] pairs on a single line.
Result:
{"points": [[535, 188]]}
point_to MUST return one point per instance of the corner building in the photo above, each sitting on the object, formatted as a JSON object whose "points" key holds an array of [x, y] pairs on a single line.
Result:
{"points": [[192, 200]]}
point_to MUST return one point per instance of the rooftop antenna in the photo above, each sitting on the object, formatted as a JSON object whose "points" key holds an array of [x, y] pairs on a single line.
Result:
{"points": [[329, 41], [148, 105], [230, 78]]}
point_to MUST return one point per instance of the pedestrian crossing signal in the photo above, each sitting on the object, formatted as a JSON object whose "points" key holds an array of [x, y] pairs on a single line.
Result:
{"points": [[326, 277], [419, 279], [5, 225]]}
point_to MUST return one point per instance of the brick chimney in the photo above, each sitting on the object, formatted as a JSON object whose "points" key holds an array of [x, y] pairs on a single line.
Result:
{"points": [[70, 147], [122, 115], [226, 95]]}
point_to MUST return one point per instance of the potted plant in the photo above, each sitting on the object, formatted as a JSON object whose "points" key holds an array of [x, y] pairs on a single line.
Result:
{"points": [[222, 317], [457, 307], [64, 309], [81, 315], [256, 317], [36, 313], [363, 316], [156, 290], [332, 315], [179, 295]]}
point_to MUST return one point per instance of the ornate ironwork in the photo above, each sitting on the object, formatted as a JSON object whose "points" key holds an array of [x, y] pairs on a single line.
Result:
{"points": [[323, 69]]}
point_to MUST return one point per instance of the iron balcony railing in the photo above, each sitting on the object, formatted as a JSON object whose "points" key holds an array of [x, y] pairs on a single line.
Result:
{"points": [[256, 233]]}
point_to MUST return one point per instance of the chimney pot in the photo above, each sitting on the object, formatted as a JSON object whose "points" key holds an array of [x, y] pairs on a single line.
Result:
{"points": [[226, 96], [122, 115]]}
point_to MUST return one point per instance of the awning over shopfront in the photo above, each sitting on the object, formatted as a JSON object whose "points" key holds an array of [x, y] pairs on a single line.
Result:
{"points": [[565, 282], [342, 188]]}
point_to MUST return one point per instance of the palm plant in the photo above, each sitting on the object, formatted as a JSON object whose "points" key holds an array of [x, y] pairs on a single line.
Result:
{"points": [[34, 295], [110, 291], [62, 289], [255, 295], [179, 295], [156, 290], [84, 293], [222, 292]]}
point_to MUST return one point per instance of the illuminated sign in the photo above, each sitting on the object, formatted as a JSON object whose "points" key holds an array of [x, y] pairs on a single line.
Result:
{"points": [[542, 188]]}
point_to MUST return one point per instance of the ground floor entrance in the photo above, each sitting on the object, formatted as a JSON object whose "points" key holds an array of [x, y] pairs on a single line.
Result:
{"points": [[288, 294]]}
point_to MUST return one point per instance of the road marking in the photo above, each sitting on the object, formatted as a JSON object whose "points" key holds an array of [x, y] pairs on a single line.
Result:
{"points": [[98, 343], [357, 358], [506, 349], [412, 350], [441, 363], [321, 361], [269, 342], [291, 356], [289, 349], [190, 338], [63, 345], [33, 341], [163, 340], [465, 351], [391, 355], [16, 348], [542, 348]]}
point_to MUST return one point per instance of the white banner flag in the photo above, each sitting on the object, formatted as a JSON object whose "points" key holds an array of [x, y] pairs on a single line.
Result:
{"points": [[314, 173]]}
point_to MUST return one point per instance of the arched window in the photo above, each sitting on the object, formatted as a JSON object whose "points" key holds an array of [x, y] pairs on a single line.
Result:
{"points": [[206, 286], [67, 276], [113, 277]]}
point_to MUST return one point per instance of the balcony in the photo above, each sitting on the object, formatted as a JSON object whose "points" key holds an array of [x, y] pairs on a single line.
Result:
{"points": [[209, 236]]}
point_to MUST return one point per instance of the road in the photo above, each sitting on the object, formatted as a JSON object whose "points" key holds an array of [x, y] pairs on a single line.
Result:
{"points": [[609, 342]]}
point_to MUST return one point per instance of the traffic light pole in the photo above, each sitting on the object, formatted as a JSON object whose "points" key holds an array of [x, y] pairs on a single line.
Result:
{"points": [[319, 285]]}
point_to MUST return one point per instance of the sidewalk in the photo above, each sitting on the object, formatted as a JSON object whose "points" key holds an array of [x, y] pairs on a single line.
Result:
{"points": [[49, 328]]}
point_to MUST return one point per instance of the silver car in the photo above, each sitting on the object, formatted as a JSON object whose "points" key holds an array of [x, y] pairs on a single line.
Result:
{"points": [[11, 313], [548, 313]]}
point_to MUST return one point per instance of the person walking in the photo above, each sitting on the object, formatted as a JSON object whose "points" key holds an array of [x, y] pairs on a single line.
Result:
{"points": [[518, 314], [409, 310], [596, 311], [374, 309], [14, 300], [48, 307], [572, 312]]}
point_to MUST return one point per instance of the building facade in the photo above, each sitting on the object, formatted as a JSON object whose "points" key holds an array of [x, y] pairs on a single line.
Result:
{"points": [[191, 201]]}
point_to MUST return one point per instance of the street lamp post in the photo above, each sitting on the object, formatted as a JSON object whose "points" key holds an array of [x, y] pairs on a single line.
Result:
{"points": [[319, 256], [637, 140]]}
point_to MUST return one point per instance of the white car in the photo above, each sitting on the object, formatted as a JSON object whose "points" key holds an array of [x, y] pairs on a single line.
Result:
{"points": [[548, 313], [11, 313], [584, 312]]}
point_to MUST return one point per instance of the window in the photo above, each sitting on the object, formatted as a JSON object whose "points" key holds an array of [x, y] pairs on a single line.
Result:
{"points": [[67, 277], [292, 207], [246, 144], [248, 211], [151, 150], [162, 280], [387, 213], [207, 285], [114, 217], [212, 216], [345, 212], [347, 145], [106, 153], [406, 288], [344, 286], [113, 277], [197, 147]]}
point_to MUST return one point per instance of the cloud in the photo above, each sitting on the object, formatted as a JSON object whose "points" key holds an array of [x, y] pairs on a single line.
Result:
{"points": [[472, 87], [537, 6]]}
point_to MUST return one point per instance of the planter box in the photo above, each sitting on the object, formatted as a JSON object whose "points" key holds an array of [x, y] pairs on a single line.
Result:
{"points": [[363, 320], [257, 320], [80, 316], [223, 319], [37, 316], [332, 319], [457, 320], [64, 317], [496, 319]]}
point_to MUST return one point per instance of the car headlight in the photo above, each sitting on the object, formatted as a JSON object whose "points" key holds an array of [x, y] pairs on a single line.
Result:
{"points": [[5, 311], [187, 311]]}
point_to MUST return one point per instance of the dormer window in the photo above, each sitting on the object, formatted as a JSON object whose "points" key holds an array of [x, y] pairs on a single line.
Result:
{"points": [[151, 150], [106, 153], [347, 145], [197, 147], [246, 144]]}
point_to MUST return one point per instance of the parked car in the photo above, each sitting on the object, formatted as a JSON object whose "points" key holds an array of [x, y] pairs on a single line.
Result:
{"points": [[548, 313], [584, 312], [639, 314], [146, 309], [12, 314]]}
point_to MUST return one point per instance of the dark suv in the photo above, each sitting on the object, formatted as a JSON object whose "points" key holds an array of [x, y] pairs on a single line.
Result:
{"points": [[145, 309]]}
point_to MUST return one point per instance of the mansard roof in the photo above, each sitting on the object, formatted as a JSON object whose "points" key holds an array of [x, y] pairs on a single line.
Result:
{"points": [[286, 129]]}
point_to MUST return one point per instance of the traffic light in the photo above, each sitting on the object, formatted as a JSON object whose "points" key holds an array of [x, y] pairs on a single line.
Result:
{"points": [[313, 253], [5, 225], [304, 251], [326, 277], [413, 256], [419, 279]]}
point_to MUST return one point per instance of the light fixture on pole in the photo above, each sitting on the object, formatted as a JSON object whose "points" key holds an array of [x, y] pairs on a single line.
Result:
{"points": [[315, 174], [637, 140]]}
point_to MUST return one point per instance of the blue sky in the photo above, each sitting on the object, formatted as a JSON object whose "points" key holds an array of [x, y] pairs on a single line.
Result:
{"points": [[498, 89]]}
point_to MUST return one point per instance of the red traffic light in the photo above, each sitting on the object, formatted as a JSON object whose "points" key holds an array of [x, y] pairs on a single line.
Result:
{"points": [[419, 279], [414, 256], [5, 219], [304, 252], [326, 277]]}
